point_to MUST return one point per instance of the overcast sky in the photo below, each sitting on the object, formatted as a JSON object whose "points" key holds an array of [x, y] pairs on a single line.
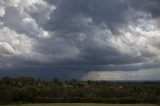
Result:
{"points": [[81, 39]]}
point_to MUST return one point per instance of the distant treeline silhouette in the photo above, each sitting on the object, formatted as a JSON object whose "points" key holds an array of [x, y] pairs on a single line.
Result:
{"points": [[30, 90]]}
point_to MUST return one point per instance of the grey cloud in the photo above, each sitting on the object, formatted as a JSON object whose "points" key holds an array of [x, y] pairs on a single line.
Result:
{"points": [[45, 73], [101, 12], [83, 35], [147, 5]]}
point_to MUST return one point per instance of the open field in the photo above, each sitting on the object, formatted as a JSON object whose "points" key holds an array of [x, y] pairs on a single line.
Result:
{"points": [[83, 104]]}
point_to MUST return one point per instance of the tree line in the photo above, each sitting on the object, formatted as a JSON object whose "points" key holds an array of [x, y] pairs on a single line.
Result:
{"points": [[30, 90]]}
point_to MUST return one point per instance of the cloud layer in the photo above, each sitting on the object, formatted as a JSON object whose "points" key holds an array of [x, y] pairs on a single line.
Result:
{"points": [[88, 35]]}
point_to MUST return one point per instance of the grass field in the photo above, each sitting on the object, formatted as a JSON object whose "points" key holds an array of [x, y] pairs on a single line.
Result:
{"points": [[83, 104]]}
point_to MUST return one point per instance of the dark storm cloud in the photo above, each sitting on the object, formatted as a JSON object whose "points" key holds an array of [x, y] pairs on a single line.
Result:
{"points": [[110, 12], [80, 36], [147, 5], [45, 73], [68, 22]]}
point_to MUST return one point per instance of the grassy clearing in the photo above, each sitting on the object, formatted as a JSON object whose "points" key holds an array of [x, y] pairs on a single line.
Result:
{"points": [[83, 104]]}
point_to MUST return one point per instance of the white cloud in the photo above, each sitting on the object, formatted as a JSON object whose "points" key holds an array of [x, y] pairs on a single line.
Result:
{"points": [[7, 3], [2, 8], [12, 2], [14, 45], [33, 28], [16, 16], [132, 40]]}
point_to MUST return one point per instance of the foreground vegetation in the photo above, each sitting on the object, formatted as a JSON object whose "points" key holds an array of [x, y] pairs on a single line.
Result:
{"points": [[82, 104], [29, 90]]}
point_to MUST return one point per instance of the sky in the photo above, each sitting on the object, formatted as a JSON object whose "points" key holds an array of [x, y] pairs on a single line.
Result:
{"points": [[80, 39]]}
